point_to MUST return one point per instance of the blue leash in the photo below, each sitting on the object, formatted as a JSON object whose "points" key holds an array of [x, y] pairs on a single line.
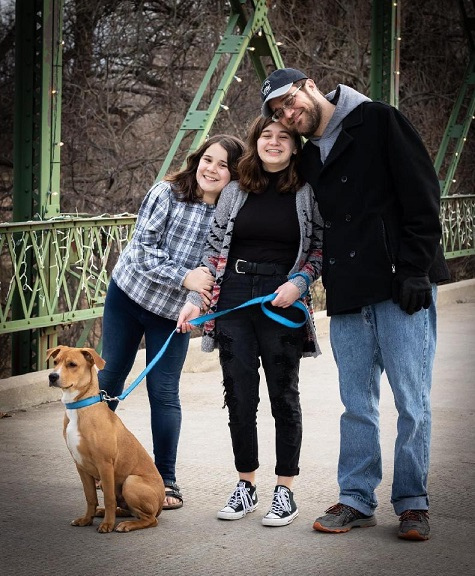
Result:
{"points": [[104, 397]]}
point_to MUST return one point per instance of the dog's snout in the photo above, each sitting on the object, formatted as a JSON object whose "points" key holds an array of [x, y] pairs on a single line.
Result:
{"points": [[53, 379]]}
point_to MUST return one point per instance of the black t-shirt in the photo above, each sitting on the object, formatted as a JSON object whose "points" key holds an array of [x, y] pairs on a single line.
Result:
{"points": [[266, 228]]}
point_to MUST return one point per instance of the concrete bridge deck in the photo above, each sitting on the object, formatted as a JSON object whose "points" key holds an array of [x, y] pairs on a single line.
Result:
{"points": [[41, 491]]}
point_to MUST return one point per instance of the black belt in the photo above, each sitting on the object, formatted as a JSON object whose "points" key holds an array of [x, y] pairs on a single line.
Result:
{"points": [[263, 268]]}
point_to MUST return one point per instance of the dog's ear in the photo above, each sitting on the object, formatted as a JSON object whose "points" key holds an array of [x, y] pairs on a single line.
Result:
{"points": [[93, 357], [53, 352]]}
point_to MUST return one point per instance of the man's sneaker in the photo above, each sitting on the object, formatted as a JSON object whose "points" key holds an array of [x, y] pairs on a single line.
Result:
{"points": [[342, 518], [414, 525], [241, 501], [283, 510]]}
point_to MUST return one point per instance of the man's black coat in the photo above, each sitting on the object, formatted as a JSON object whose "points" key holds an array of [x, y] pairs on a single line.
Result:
{"points": [[379, 196]]}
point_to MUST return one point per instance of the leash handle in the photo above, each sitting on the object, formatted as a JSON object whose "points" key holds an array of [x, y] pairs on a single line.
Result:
{"points": [[285, 321], [262, 300]]}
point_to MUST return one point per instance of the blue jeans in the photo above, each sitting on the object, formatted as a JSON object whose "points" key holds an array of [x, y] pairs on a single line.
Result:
{"points": [[383, 337], [124, 324], [244, 338]]}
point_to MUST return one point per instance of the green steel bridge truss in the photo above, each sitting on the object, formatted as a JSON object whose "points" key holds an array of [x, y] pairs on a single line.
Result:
{"points": [[56, 267]]}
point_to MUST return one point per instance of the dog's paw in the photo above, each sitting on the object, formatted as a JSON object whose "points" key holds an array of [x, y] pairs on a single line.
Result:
{"points": [[105, 527], [130, 525], [83, 521], [123, 527]]}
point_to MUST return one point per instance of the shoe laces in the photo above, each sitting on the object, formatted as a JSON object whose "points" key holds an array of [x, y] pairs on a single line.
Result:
{"points": [[343, 509], [339, 508], [414, 515], [281, 502], [241, 495]]}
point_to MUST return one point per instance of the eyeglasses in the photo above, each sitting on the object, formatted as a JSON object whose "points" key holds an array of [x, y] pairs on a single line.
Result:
{"points": [[288, 103]]}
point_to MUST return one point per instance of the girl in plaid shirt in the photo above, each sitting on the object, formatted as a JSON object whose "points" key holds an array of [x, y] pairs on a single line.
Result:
{"points": [[149, 286]]}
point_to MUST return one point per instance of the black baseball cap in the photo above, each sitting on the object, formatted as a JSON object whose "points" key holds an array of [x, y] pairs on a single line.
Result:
{"points": [[277, 84]]}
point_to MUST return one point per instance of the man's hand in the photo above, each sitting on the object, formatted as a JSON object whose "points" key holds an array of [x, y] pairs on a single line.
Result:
{"points": [[199, 279], [412, 292]]}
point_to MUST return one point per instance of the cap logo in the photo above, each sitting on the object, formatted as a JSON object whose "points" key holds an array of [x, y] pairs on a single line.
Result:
{"points": [[266, 87]]}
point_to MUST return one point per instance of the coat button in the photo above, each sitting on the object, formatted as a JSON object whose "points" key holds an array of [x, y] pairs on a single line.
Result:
{"points": [[332, 260], [328, 224], [348, 217], [352, 254], [344, 179]]}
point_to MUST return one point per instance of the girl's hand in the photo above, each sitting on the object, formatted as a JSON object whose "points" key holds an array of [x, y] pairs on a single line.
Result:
{"points": [[199, 279], [188, 312], [287, 294], [205, 299]]}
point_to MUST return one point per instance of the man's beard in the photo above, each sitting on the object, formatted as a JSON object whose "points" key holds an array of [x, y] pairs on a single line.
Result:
{"points": [[313, 118]]}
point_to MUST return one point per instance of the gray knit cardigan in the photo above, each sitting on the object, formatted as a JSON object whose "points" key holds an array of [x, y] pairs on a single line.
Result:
{"points": [[308, 263]]}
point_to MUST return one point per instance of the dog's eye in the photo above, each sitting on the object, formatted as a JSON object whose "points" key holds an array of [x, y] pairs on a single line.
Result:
{"points": [[72, 364]]}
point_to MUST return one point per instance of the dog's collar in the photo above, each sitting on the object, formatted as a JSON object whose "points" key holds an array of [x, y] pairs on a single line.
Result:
{"points": [[83, 403]]}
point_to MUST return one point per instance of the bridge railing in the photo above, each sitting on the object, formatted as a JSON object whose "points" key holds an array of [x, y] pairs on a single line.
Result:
{"points": [[457, 215], [55, 273]]}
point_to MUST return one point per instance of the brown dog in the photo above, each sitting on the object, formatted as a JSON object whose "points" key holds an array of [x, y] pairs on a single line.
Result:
{"points": [[103, 448]]}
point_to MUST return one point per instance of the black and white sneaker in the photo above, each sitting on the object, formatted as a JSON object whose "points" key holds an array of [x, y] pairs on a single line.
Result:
{"points": [[241, 501], [283, 510]]}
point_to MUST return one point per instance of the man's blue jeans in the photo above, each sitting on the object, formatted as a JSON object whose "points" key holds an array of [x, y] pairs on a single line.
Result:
{"points": [[124, 324], [383, 337]]}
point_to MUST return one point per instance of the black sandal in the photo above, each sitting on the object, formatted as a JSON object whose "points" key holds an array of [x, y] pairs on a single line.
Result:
{"points": [[172, 490]]}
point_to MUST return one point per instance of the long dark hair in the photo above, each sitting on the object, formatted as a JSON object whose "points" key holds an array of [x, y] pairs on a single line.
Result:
{"points": [[184, 181], [253, 177]]}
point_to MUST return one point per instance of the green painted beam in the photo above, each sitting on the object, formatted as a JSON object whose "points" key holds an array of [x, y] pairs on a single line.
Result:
{"points": [[37, 136], [385, 45], [456, 131], [244, 35]]}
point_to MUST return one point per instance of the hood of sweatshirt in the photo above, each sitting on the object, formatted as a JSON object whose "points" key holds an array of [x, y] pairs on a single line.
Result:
{"points": [[346, 100]]}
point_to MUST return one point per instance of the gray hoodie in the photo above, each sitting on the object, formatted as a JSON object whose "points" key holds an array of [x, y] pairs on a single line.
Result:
{"points": [[346, 100]]}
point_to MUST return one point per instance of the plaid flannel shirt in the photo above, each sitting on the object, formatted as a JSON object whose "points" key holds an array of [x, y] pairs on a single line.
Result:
{"points": [[167, 243]]}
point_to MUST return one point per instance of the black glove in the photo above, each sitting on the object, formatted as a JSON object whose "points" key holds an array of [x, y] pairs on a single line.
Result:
{"points": [[412, 292]]}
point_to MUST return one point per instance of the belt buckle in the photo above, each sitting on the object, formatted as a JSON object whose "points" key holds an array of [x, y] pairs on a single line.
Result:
{"points": [[236, 266]]}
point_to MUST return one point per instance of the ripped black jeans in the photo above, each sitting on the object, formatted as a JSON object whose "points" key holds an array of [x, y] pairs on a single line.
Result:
{"points": [[245, 338]]}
